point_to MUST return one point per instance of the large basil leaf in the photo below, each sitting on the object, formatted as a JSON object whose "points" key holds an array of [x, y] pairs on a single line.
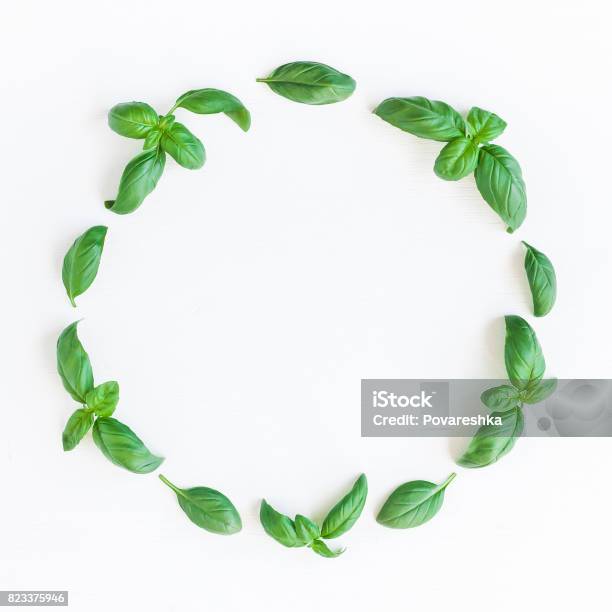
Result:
{"points": [[491, 442], [183, 146], [422, 117], [132, 119], [123, 447], [78, 425], [207, 508], [500, 182], [483, 125], [457, 159], [542, 280], [73, 364], [138, 180], [208, 101], [103, 399], [346, 512], [306, 530], [502, 398], [413, 504], [278, 526], [82, 261], [522, 353], [321, 548], [310, 83], [539, 392]]}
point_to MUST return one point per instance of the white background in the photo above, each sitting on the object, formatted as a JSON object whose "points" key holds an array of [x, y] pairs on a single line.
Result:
{"points": [[240, 306]]}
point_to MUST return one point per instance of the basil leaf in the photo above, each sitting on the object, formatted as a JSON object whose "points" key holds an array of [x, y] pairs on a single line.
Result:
{"points": [[306, 530], [491, 442], [208, 101], [183, 146], [322, 549], [137, 181], [278, 526], [457, 159], [346, 512], [152, 139], [542, 280], [539, 392], [82, 261], [73, 364], [78, 425], [483, 125], [310, 83], [207, 508], [522, 353], [502, 398], [132, 119], [413, 504], [121, 446], [103, 399], [500, 182], [422, 117]]}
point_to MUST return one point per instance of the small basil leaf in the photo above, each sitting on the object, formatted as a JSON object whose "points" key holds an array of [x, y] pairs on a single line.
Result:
{"points": [[306, 530], [484, 126], [138, 180], [413, 504], [183, 146], [502, 398], [346, 512], [522, 353], [82, 261], [422, 117], [78, 425], [542, 280], [491, 442], [208, 101], [500, 182], [103, 399], [152, 139], [457, 159], [322, 549], [540, 391], [278, 526], [132, 119], [73, 364], [207, 508], [310, 83], [121, 446]]}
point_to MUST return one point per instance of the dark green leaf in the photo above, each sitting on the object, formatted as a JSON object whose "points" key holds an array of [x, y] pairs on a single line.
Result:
{"points": [[208, 101], [502, 398], [123, 447], [78, 425], [104, 398], [422, 117], [322, 549], [310, 83], [500, 182], [183, 146], [457, 159], [82, 261], [540, 391], [522, 352], [278, 526], [306, 530], [483, 125], [73, 364], [132, 119], [542, 280], [346, 512], [413, 504]]}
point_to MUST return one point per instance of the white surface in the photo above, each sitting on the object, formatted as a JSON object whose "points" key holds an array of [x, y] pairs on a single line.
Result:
{"points": [[242, 304]]}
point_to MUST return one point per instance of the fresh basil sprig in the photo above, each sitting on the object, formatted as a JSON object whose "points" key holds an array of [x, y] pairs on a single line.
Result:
{"points": [[542, 280], [163, 134], [498, 174]]}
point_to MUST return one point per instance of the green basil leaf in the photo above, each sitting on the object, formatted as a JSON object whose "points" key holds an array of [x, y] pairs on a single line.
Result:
{"points": [[209, 101], [207, 508], [132, 119], [121, 446], [483, 125], [183, 146], [542, 280], [491, 442], [500, 182], [82, 261], [413, 504], [322, 549], [422, 117], [310, 83], [279, 526], [137, 181], [539, 392], [152, 139], [522, 353], [346, 512], [73, 364], [306, 530], [457, 159], [103, 399], [78, 425], [502, 398]]}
